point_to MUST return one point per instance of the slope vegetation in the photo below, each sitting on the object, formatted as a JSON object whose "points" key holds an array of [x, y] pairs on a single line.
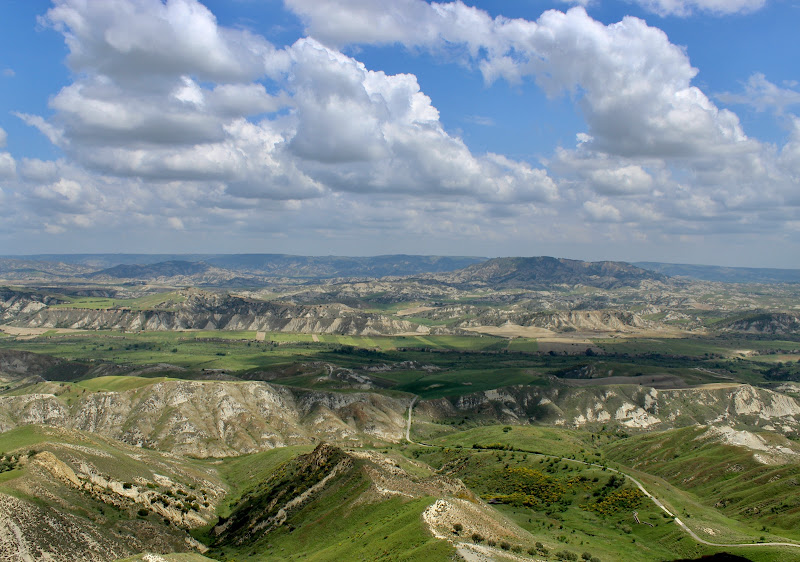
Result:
{"points": [[545, 272], [76, 496]]}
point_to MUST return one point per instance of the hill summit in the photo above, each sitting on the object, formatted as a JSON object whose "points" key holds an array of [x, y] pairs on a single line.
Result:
{"points": [[543, 272]]}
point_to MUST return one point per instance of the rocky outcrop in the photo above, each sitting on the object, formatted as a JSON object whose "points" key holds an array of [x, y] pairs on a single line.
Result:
{"points": [[772, 323], [213, 418], [14, 304], [29, 532], [571, 320], [206, 311], [85, 498], [626, 406]]}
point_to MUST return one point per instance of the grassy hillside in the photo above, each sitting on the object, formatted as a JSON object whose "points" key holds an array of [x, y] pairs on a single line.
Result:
{"points": [[335, 521], [729, 478]]}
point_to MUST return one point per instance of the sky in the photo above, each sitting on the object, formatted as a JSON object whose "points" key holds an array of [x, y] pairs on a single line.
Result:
{"points": [[659, 130]]}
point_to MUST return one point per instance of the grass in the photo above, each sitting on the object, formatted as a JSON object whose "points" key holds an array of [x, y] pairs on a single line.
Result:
{"points": [[561, 512], [162, 301], [690, 476], [697, 347], [21, 438], [175, 557], [240, 472], [547, 440], [119, 383], [727, 478], [614, 536], [526, 345], [464, 364], [335, 525]]}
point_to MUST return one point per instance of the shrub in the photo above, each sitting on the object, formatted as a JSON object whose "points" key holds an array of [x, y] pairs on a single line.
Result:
{"points": [[505, 545], [142, 512], [477, 538], [457, 528], [566, 555]]}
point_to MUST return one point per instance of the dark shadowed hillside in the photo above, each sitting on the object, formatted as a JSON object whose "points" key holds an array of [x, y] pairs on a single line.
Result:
{"points": [[543, 272], [280, 265], [152, 271]]}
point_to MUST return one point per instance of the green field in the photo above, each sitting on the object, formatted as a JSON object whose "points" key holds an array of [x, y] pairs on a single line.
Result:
{"points": [[488, 466], [458, 364], [161, 301], [118, 384], [537, 475]]}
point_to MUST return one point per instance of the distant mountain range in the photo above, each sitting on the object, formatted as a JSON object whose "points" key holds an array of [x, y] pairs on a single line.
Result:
{"points": [[250, 269], [149, 266], [723, 274]]}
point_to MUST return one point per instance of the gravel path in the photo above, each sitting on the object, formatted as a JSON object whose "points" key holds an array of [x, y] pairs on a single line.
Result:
{"points": [[639, 485]]}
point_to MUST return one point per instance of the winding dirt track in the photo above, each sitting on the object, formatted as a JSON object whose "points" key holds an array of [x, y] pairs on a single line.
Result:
{"points": [[408, 425], [639, 485]]}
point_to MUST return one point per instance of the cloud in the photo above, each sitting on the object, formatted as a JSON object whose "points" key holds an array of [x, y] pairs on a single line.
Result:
{"points": [[124, 40], [763, 95], [481, 120], [602, 211], [583, 3], [790, 154], [365, 131], [8, 167], [633, 85], [635, 90], [685, 8], [167, 108], [336, 125], [186, 127], [53, 133], [9, 72], [620, 181]]}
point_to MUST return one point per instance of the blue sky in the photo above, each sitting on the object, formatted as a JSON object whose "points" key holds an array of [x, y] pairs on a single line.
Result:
{"points": [[661, 130]]}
